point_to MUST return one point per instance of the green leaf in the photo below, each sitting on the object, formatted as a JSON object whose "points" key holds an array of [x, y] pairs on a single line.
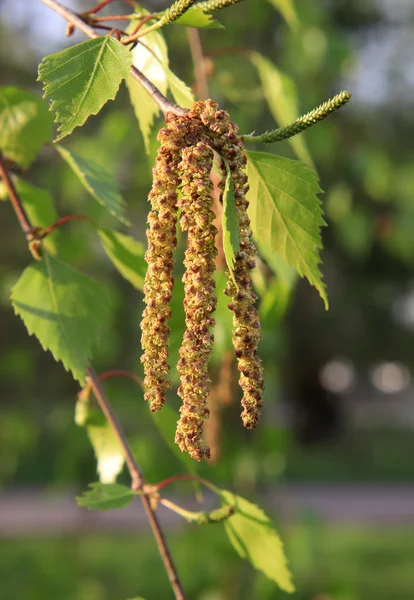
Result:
{"points": [[223, 337], [103, 496], [80, 80], [288, 10], [109, 455], [64, 309], [285, 212], [281, 95], [196, 17], [97, 181], [274, 303], [252, 535], [39, 207], [152, 60], [126, 254], [25, 125], [108, 450], [180, 91], [230, 222]]}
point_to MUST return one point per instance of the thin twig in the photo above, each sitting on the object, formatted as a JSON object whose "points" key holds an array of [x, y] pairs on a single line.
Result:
{"points": [[133, 468], [137, 484], [98, 7], [165, 105], [16, 202], [134, 34], [122, 373], [61, 222], [199, 67]]}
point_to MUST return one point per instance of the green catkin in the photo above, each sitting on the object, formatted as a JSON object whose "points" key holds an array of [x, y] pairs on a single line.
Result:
{"points": [[200, 301], [176, 10], [246, 324], [311, 118], [159, 282], [213, 5]]}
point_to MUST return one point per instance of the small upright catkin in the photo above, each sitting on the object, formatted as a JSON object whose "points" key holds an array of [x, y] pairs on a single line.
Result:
{"points": [[246, 324], [159, 282], [200, 301]]}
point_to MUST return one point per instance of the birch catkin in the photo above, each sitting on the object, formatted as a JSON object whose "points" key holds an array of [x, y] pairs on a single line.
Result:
{"points": [[200, 300], [159, 282], [246, 324], [185, 159]]}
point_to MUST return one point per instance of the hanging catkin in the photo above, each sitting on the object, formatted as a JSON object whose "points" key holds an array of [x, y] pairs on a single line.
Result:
{"points": [[246, 324], [159, 282], [184, 161], [200, 301]]}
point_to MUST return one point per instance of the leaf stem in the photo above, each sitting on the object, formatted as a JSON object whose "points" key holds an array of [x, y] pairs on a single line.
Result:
{"points": [[164, 104], [98, 7], [62, 221], [122, 373], [137, 483], [180, 477], [16, 203], [199, 66], [203, 517]]}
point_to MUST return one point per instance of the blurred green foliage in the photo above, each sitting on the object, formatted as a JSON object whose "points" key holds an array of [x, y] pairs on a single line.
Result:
{"points": [[365, 161]]}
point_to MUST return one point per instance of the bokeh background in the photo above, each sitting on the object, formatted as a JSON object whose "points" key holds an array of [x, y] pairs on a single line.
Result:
{"points": [[332, 460]]}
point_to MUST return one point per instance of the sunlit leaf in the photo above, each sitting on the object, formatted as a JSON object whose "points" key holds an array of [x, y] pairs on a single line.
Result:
{"points": [[230, 222], [38, 205], [223, 317], [81, 79], [103, 496], [281, 95], [25, 125], [126, 254], [64, 309], [288, 10], [181, 92], [253, 536], [196, 17], [285, 212], [152, 60], [97, 181], [109, 456]]}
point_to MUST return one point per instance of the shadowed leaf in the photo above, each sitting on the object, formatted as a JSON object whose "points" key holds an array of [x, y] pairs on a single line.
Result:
{"points": [[64, 309], [103, 496], [97, 181], [25, 125]]}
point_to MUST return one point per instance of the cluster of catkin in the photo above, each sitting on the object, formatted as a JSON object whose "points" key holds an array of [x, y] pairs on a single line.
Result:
{"points": [[184, 163]]}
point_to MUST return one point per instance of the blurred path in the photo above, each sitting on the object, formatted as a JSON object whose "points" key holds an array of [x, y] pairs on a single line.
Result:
{"points": [[27, 512]]}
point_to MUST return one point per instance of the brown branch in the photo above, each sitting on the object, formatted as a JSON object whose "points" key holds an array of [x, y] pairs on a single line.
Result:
{"points": [[94, 383], [164, 104], [98, 7], [199, 66], [137, 483], [16, 202]]}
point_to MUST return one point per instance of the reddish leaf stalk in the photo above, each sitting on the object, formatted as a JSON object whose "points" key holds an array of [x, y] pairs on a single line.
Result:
{"points": [[61, 222], [122, 373], [16, 203]]}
